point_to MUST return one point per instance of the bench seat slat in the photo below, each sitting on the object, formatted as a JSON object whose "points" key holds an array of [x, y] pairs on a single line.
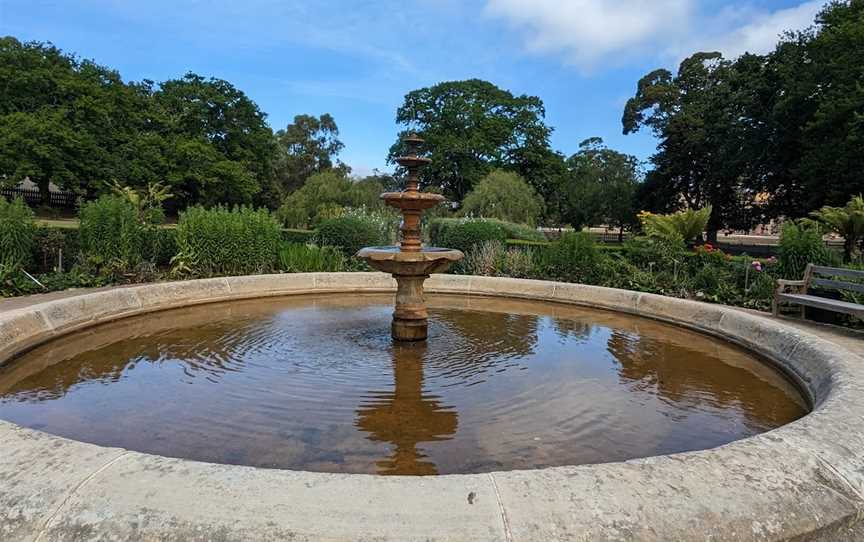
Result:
{"points": [[838, 285], [823, 303], [837, 272]]}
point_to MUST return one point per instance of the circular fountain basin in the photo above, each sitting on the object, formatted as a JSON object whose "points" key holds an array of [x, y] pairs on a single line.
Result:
{"points": [[315, 383], [803, 479]]}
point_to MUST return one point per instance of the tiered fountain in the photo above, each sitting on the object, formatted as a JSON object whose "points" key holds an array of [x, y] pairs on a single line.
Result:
{"points": [[410, 263]]}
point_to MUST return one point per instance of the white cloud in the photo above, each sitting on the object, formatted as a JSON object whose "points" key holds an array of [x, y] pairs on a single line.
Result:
{"points": [[590, 33], [749, 31]]}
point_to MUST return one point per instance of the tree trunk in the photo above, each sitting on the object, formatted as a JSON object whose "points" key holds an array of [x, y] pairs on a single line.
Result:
{"points": [[44, 192], [712, 237], [620, 234]]}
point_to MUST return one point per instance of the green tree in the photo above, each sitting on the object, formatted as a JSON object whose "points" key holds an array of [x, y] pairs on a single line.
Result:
{"points": [[601, 187], [697, 115], [503, 195], [326, 195], [307, 146], [62, 118], [472, 127], [198, 112]]}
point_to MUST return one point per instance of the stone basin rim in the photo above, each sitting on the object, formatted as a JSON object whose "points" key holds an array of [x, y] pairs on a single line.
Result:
{"points": [[802, 479]]}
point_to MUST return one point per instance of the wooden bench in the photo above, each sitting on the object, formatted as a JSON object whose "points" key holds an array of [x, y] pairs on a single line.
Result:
{"points": [[797, 292]]}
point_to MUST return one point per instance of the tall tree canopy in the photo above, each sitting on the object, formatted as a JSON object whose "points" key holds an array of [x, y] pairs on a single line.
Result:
{"points": [[472, 127], [60, 118], [760, 136], [219, 135], [80, 126], [601, 186], [307, 146]]}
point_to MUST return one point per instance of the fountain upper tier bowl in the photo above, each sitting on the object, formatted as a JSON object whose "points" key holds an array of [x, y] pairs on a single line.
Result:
{"points": [[398, 262]]}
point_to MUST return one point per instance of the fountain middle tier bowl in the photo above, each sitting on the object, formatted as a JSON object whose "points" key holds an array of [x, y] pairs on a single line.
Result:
{"points": [[395, 261], [412, 200]]}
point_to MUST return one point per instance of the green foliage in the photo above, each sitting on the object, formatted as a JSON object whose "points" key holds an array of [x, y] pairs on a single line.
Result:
{"points": [[16, 233], [307, 146], [222, 241], [774, 135], [574, 258], [472, 127], [801, 243], [350, 234], [847, 222], [298, 236], [465, 234], [503, 195], [113, 236], [327, 195], [600, 187], [686, 225], [302, 258]]}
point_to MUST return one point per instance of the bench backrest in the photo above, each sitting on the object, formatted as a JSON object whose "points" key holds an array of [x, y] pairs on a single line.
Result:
{"points": [[814, 273]]}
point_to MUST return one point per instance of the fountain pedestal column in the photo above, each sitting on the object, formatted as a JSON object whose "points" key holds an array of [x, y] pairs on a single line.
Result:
{"points": [[410, 263], [410, 315]]}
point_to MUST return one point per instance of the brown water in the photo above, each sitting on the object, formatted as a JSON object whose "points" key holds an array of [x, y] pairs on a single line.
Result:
{"points": [[315, 383]]}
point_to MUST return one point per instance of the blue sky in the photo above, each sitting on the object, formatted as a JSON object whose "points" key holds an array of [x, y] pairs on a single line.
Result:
{"points": [[357, 59]]}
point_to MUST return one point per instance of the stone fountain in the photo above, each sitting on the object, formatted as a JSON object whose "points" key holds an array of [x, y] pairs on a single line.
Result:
{"points": [[410, 262]]}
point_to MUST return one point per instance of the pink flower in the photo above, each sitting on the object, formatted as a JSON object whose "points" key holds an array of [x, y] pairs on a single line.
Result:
{"points": [[757, 265]]}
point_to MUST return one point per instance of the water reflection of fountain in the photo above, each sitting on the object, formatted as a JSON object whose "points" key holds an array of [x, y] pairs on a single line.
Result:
{"points": [[405, 417]]}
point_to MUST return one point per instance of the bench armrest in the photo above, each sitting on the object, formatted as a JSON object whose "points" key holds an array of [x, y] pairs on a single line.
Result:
{"points": [[784, 285]]}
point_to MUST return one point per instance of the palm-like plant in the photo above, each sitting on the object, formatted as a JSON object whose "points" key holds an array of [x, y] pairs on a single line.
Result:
{"points": [[686, 225], [846, 221]]}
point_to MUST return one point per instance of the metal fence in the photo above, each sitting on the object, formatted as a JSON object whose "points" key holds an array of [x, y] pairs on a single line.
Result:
{"points": [[31, 196]]}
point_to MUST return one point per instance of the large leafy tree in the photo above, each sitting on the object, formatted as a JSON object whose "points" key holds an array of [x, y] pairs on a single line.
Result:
{"points": [[212, 112], [601, 186], [307, 146], [821, 72], [472, 127], [697, 116], [61, 118]]}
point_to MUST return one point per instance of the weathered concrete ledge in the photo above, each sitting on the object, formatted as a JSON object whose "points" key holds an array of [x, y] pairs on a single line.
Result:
{"points": [[804, 480]]}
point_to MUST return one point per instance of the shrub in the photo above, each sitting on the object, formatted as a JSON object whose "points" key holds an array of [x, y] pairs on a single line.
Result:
{"points": [[298, 236], [483, 259], [503, 195], [574, 257], [518, 264], [16, 233], [50, 241], [464, 234], [847, 222], [113, 235], [520, 232], [350, 234], [387, 221], [801, 243], [301, 258], [655, 252], [222, 241], [686, 225]]}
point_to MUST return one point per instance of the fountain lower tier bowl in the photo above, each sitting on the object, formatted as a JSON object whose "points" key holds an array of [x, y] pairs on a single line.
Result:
{"points": [[397, 262]]}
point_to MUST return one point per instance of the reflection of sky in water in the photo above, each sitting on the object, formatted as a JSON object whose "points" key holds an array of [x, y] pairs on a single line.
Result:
{"points": [[316, 384]]}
